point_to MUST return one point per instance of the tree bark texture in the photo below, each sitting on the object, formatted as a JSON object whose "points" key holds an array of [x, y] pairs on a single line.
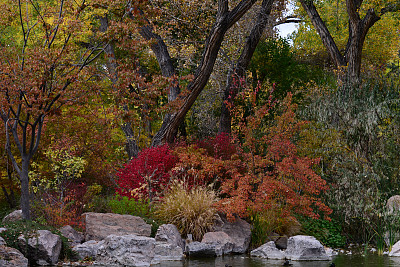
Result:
{"points": [[225, 19], [27, 147], [131, 146], [358, 29], [25, 195], [242, 63]]}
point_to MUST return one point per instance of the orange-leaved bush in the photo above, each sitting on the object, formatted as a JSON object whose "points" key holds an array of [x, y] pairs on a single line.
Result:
{"points": [[204, 162], [148, 174], [58, 209], [267, 172]]}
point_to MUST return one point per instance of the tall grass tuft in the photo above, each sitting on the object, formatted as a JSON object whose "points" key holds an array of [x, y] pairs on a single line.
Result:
{"points": [[192, 211]]}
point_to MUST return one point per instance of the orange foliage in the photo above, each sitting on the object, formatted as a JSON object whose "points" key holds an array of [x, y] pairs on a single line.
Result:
{"points": [[268, 173], [59, 211], [259, 167]]}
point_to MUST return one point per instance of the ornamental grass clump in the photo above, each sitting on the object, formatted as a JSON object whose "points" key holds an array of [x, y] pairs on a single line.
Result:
{"points": [[192, 211]]}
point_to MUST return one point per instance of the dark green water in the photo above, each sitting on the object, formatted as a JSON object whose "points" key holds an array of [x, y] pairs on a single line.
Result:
{"points": [[243, 261]]}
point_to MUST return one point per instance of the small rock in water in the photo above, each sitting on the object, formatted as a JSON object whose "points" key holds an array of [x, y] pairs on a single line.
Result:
{"points": [[287, 263]]}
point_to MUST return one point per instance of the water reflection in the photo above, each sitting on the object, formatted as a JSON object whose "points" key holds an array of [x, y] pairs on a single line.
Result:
{"points": [[244, 261], [241, 261]]}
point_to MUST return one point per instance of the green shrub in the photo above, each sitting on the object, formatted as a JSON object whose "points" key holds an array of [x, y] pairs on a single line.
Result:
{"points": [[355, 132], [329, 233], [99, 204], [124, 205], [192, 211]]}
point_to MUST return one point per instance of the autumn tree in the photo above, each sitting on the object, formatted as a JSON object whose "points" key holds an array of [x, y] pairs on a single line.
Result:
{"points": [[238, 71], [358, 19], [148, 27], [272, 175], [42, 68]]}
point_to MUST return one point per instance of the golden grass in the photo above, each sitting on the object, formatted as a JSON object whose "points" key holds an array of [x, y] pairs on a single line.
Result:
{"points": [[192, 211]]}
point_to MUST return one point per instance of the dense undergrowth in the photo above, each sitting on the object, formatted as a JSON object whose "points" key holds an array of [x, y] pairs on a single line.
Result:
{"points": [[305, 155]]}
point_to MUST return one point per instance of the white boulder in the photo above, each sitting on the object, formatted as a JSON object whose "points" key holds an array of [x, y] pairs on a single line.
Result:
{"points": [[395, 252], [126, 250], [268, 251], [43, 248], [100, 225], [301, 247]]}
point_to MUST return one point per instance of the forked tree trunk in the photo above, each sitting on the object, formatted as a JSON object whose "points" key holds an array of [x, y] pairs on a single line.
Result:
{"points": [[224, 21], [350, 60], [358, 29], [242, 64], [27, 147]]}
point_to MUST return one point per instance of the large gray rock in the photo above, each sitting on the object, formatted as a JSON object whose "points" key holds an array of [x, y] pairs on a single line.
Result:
{"points": [[393, 205], [268, 251], [164, 251], [198, 249], [42, 249], [73, 236], [301, 247], [170, 234], [101, 225], [392, 210], [127, 250], [14, 216], [395, 252], [221, 241], [2, 242], [87, 250], [10, 257], [239, 231]]}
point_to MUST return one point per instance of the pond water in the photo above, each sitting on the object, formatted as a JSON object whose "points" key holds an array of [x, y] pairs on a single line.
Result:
{"points": [[371, 260]]}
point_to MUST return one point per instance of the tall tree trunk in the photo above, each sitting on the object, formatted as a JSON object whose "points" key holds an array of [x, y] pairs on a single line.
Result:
{"points": [[224, 21], [358, 29], [25, 196], [165, 63], [131, 146], [242, 64], [27, 147]]}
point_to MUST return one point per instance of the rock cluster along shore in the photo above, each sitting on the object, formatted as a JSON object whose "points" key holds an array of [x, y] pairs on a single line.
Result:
{"points": [[299, 247], [124, 240]]}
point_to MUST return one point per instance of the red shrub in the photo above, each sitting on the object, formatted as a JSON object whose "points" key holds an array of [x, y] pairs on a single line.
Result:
{"points": [[219, 147], [148, 174]]}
